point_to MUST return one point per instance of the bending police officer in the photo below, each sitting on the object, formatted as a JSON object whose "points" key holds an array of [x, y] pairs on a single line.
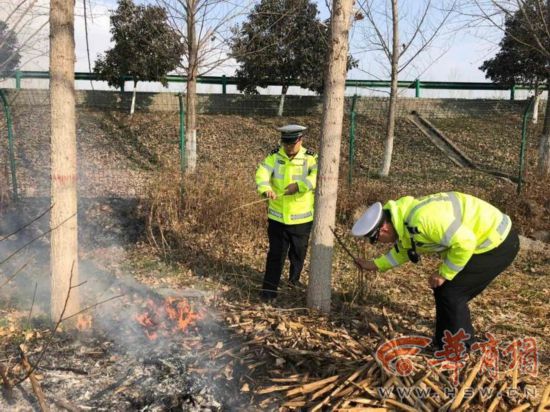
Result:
{"points": [[475, 240]]}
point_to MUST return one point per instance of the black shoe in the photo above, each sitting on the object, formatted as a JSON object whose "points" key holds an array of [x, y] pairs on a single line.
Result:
{"points": [[296, 284], [268, 296]]}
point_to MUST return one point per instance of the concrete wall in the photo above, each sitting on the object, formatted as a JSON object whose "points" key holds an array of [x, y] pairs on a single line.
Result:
{"points": [[267, 105]]}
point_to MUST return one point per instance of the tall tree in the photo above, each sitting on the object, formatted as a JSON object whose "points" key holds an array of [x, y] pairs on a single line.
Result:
{"points": [[9, 50], [516, 63], [526, 35], [423, 22], [282, 42], [319, 288], [63, 221], [146, 47], [205, 27]]}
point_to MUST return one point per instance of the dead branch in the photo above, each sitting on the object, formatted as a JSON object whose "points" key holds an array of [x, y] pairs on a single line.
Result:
{"points": [[50, 339], [466, 385], [27, 224], [35, 239], [37, 389], [5, 380], [62, 403], [32, 303], [8, 280], [341, 243]]}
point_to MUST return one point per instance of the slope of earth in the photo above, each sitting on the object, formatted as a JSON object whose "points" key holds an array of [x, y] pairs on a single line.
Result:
{"points": [[197, 232]]}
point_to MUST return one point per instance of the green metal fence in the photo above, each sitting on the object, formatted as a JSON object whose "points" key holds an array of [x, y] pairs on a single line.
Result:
{"points": [[11, 151], [489, 131], [417, 84]]}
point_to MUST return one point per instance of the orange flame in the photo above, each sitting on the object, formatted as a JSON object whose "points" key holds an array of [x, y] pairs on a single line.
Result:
{"points": [[84, 322], [172, 316]]}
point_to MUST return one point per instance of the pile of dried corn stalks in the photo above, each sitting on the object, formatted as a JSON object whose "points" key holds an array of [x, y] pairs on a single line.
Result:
{"points": [[303, 362]]}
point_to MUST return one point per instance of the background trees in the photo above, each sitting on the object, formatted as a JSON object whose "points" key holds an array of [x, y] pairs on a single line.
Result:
{"points": [[9, 53], [524, 54], [515, 63], [204, 27], [282, 42], [399, 41], [146, 47], [23, 33]]}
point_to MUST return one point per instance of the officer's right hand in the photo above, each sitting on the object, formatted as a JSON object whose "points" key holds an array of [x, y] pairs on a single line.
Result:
{"points": [[365, 265], [270, 195]]}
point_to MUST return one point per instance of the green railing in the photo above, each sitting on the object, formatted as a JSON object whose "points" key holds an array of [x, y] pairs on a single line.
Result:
{"points": [[11, 151], [417, 85]]}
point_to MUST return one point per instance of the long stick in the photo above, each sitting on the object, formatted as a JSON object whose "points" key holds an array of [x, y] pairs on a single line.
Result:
{"points": [[245, 205], [355, 260], [34, 382]]}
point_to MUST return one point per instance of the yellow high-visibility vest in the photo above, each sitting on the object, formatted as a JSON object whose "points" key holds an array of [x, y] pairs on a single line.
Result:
{"points": [[453, 224], [276, 172]]}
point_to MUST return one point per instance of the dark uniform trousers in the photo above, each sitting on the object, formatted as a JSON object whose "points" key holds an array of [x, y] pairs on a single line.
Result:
{"points": [[283, 239], [451, 298]]}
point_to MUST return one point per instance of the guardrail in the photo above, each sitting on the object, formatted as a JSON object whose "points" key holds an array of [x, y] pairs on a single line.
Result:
{"points": [[417, 84]]}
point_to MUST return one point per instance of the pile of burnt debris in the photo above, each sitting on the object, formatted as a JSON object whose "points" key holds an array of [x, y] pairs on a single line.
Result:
{"points": [[135, 356]]}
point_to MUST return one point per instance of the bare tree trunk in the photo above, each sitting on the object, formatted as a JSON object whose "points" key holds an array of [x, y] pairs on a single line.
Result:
{"points": [[133, 105], [191, 97], [390, 123], [282, 101], [543, 164], [319, 288], [536, 104], [64, 240]]}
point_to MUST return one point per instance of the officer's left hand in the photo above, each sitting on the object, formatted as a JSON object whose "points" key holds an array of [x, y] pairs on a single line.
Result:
{"points": [[435, 281], [291, 189]]}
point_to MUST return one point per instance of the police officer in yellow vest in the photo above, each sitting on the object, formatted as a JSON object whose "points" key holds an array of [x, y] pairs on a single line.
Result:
{"points": [[287, 177], [475, 240]]}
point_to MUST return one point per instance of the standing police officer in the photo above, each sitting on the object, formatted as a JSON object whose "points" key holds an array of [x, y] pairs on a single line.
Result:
{"points": [[287, 177], [475, 240]]}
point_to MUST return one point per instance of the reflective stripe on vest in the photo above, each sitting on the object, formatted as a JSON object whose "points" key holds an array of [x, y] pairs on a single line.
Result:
{"points": [[452, 266], [432, 247], [275, 213], [267, 167], [503, 225], [303, 177], [391, 259], [300, 216]]}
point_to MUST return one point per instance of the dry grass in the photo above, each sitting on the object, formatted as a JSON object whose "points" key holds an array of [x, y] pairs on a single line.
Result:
{"points": [[189, 222]]}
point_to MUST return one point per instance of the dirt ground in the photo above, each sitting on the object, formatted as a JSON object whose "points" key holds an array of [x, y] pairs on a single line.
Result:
{"points": [[141, 220]]}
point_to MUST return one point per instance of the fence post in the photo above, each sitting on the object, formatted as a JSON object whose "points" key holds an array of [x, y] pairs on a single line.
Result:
{"points": [[18, 79], [11, 153], [513, 92], [182, 132], [351, 139], [417, 88], [224, 84], [526, 113]]}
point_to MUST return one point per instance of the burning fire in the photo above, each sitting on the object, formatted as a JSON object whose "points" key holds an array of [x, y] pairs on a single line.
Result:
{"points": [[84, 322], [171, 316]]}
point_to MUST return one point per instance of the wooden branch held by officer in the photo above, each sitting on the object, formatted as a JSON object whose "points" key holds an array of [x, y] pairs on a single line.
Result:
{"points": [[475, 240], [287, 177]]}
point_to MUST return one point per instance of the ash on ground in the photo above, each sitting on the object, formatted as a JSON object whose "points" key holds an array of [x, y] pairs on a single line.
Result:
{"points": [[90, 371]]}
